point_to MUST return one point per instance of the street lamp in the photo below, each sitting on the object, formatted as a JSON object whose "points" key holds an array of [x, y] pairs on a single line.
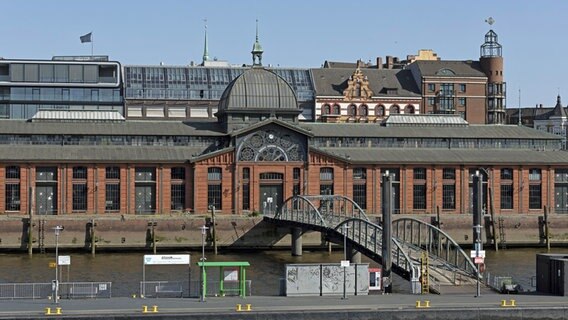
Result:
{"points": [[345, 262], [203, 279], [57, 230]]}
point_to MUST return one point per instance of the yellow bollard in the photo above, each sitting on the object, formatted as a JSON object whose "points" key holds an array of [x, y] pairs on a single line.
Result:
{"points": [[249, 307], [144, 309], [503, 303], [513, 303], [134, 295], [58, 310], [155, 309], [418, 304], [238, 307], [426, 303], [47, 310]]}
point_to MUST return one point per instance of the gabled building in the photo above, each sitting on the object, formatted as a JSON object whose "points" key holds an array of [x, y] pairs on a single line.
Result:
{"points": [[363, 94]]}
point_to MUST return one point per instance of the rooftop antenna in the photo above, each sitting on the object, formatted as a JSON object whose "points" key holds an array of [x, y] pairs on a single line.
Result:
{"points": [[520, 122]]}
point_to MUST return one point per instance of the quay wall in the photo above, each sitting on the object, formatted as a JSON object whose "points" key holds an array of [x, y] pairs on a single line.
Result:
{"points": [[467, 313], [234, 232]]}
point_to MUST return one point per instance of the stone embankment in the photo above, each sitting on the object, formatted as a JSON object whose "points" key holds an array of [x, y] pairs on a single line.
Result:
{"points": [[171, 232]]}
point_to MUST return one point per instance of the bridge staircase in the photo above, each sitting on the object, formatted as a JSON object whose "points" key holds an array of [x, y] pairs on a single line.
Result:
{"points": [[340, 218]]}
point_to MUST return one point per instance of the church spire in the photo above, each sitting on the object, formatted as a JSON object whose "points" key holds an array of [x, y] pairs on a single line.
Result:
{"points": [[257, 50], [206, 47]]}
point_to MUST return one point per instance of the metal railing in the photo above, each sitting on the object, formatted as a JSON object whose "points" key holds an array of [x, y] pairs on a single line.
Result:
{"points": [[158, 289], [69, 290]]}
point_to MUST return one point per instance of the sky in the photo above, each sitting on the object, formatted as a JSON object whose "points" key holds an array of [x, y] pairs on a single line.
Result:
{"points": [[300, 33]]}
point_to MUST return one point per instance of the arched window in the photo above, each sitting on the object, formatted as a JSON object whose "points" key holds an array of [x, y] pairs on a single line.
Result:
{"points": [[394, 109], [336, 109], [380, 110], [363, 110], [352, 110], [409, 109], [325, 109]]}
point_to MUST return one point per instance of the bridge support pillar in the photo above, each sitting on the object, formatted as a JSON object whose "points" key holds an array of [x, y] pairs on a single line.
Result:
{"points": [[296, 241], [353, 255]]}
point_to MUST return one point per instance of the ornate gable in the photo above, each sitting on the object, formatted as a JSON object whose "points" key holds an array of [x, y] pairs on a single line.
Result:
{"points": [[357, 86]]}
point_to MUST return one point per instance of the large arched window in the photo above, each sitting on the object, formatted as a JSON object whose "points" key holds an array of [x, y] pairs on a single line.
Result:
{"points": [[325, 109], [363, 110], [409, 109], [394, 109]]}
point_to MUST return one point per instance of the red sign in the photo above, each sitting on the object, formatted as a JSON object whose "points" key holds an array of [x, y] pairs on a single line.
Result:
{"points": [[478, 260]]}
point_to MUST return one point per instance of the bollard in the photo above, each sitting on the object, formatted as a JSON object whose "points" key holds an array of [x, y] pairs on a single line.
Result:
{"points": [[47, 310], [418, 304], [426, 304], [134, 295], [58, 310], [155, 309], [503, 303], [249, 307], [513, 303], [238, 307], [144, 309]]}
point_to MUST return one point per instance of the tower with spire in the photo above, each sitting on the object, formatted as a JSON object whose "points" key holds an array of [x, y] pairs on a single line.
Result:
{"points": [[491, 61], [257, 51]]}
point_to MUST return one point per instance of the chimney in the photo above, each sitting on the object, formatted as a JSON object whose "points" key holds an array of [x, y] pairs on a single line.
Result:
{"points": [[379, 63], [390, 62], [541, 105]]}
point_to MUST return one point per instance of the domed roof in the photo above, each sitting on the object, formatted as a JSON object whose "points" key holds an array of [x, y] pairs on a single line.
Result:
{"points": [[258, 88]]}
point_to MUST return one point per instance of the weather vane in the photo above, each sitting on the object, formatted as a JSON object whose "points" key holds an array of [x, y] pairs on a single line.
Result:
{"points": [[490, 20]]}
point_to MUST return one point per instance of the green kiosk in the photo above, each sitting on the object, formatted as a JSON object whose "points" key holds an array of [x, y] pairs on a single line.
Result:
{"points": [[222, 265]]}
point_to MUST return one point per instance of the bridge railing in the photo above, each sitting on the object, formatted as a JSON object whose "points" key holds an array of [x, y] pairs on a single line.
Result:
{"points": [[435, 241], [369, 236]]}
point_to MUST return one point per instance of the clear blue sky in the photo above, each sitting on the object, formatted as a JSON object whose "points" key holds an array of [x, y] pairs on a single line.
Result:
{"points": [[300, 33]]}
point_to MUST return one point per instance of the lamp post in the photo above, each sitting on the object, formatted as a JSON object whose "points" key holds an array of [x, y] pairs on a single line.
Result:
{"points": [[345, 262], [57, 230], [203, 279]]}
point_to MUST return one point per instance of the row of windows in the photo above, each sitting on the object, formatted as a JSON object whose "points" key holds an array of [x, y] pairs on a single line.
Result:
{"points": [[447, 88], [62, 73], [363, 110], [194, 141], [451, 143], [61, 94]]}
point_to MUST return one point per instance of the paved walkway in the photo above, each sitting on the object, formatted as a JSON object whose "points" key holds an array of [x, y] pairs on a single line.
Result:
{"points": [[227, 305]]}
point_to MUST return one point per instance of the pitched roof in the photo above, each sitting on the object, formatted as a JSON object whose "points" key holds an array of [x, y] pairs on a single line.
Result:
{"points": [[446, 156], [559, 110], [459, 68], [332, 81]]}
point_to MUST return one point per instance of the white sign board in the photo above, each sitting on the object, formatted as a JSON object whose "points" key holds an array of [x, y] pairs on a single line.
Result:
{"points": [[64, 260], [231, 275], [166, 259], [345, 263], [474, 254], [269, 199]]}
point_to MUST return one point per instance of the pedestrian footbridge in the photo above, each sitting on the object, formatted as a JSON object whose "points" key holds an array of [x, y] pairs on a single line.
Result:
{"points": [[419, 250]]}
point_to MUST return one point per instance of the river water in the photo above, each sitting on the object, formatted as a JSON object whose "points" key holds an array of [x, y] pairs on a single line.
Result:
{"points": [[124, 270]]}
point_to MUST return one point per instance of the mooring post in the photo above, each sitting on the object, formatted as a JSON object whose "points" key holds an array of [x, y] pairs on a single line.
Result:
{"points": [[387, 197], [93, 235], [31, 197]]}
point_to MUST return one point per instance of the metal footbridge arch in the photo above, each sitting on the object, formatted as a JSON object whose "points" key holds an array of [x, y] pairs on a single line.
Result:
{"points": [[412, 239]]}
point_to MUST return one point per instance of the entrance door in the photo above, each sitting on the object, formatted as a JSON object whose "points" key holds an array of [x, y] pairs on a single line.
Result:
{"points": [[271, 198], [145, 199], [46, 199]]}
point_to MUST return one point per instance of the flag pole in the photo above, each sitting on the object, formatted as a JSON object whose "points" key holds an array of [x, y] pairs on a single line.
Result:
{"points": [[92, 43]]}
